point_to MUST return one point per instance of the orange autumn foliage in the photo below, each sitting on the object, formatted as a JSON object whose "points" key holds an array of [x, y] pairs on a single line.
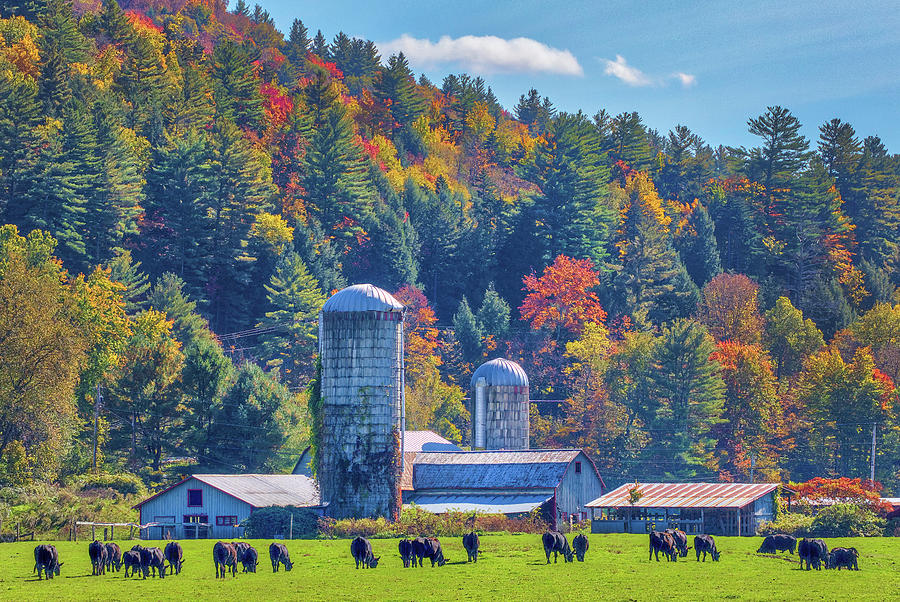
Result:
{"points": [[844, 490], [562, 299], [420, 334]]}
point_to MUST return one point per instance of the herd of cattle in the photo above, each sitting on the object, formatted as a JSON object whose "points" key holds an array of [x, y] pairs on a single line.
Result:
{"points": [[672, 543]]}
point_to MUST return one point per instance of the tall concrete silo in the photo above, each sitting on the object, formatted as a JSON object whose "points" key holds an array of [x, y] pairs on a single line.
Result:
{"points": [[361, 350], [499, 391]]}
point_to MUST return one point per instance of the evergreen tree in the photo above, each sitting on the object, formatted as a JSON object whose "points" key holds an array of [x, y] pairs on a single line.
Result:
{"points": [[573, 204], [493, 315], [124, 270], [168, 296], [20, 115], [298, 43], [290, 326], [696, 245], [629, 141], [784, 148], [534, 112], [398, 86], [320, 46], [205, 377], [236, 87], [689, 397], [468, 332]]}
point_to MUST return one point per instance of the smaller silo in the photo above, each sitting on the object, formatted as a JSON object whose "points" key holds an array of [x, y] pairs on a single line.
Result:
{"points": [[499, 393]]}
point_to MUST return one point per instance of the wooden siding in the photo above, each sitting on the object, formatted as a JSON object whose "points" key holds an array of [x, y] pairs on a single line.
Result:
{"points": [[577, 489], [175, 503]]}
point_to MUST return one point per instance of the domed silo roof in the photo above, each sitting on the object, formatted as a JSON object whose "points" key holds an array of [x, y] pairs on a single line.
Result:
{"points": [[362, 297], [501, 372]]}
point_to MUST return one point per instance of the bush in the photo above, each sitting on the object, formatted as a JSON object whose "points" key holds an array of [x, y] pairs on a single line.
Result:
{"points": [[266, 523], [789, 523], [124, 484], [847, 520]]}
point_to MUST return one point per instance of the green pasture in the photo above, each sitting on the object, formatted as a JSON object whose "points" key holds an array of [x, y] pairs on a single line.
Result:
{"points": [[511, 567]]}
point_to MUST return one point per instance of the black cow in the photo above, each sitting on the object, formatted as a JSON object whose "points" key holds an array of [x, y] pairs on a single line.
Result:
{"points": [[46, 560], [812, 551], [361, 550], [556, 543], [240, 548], [840, 558], [224, 558], [581, 545], [278, 553], [777, 543], [97, 552], [132, 560], [406, 552], [681, 540], [471, 544], [153, 559], [250, 559], [175, 556], [113, 557], [660, 541], [705, 543], [428, 547]]}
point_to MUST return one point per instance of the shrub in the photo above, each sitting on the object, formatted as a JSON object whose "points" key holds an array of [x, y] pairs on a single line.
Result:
{"points": [[847, 520], [266, 523], [789, 523], [124, 483]]}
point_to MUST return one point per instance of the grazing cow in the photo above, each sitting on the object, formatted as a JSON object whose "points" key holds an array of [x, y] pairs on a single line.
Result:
{"points": [[777, 543], [224, 556], [46, 561], [705, 543], [581, 545], [250, 559], [813, 552], [132, 560], [471, 544], [361, 550], [97, 552], [278, 553], [174, 555], [406, 552], [428, 547], [113, 557], [152, 559], [681, 540], [240, 548], [556, 543], [842, 558], [660, 541]]}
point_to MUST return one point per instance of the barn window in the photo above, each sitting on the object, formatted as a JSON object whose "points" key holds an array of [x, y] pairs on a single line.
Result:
{"points": [[577, 467], [195, 497], [225, 521]]}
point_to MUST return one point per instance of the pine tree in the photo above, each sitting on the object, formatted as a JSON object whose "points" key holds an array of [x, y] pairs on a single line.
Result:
{"points": [[573, 205], [298, 43], [629, 141], [236, 87], [534, 113], [689, 397], [493, 315], [784, 148], [20, 112], [320, 46], [167, 295], [468, 332], [195, 106], [398, 86], [290, 326], [696, 245], [128, 272]]}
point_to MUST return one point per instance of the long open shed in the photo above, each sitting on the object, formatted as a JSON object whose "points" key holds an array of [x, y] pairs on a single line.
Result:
{"points": [[714, 508]]}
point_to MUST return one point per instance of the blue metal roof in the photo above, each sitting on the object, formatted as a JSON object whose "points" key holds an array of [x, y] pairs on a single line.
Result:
{"points": [[362, 297], [514, 469], [501, 372], [492, 503]]}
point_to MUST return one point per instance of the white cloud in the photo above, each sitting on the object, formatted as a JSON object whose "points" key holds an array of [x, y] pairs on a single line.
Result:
{"points": [[633, 76], [687, 80], [485, 54], [630, 75]]}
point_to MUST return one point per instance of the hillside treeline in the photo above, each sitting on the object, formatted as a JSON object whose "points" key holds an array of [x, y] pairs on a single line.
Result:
{"points": [[184, 185]]}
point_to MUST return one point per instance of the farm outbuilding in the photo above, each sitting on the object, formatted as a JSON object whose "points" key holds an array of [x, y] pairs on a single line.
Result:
{"points": [[215, 505], [558, 481], [712, 508]]}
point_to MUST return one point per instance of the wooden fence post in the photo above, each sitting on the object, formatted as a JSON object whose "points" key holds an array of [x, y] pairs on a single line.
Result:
{"points": [[17, 531], [93, 532]]}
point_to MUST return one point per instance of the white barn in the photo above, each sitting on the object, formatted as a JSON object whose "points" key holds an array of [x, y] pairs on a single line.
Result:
{"points": [[214, 505]]}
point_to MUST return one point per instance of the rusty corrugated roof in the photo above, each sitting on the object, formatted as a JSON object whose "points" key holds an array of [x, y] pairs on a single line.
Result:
{"points": [[513, 469], [685, 495]]}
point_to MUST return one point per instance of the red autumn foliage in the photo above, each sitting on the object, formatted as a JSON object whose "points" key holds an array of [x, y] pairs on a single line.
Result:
{"points": [[562, 297], [844, 490], [331, 68], [142, 21], [278, 105]]}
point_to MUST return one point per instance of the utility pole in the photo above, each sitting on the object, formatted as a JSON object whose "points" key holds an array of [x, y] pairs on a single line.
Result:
{"points": [[97, 402], [752, 465], [872, 466]]}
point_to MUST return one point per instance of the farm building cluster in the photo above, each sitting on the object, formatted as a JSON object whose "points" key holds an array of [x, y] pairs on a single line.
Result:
{"points": [[369, 465]]}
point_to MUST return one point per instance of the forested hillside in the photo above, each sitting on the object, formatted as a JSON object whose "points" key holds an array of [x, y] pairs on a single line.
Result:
{"points": [[184, 185]]}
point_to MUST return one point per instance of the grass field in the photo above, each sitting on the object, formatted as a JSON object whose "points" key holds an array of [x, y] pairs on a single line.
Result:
{"points": [[511, 567]]}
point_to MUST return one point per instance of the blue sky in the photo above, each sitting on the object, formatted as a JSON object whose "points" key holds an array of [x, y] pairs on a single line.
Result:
{"points": [[708, 65]]}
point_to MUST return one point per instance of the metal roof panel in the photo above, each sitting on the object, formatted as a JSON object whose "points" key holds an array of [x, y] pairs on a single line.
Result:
{"points": [[686, 495], [482, 502], [513, 469], [500, 372]]}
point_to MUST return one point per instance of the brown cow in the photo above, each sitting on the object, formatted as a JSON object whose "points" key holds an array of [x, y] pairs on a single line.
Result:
{"points": [[660, 541], [224, 557]]}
